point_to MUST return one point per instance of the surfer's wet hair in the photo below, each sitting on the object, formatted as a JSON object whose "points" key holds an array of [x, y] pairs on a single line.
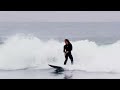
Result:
{"points": [[67, 41]]}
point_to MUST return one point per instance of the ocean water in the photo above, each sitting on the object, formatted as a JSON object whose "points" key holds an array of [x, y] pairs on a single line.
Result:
{"points": [[29, 47]]}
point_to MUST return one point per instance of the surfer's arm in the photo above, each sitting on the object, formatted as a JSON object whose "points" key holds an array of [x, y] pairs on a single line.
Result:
{"points": [[64, 49], [71, 47]]}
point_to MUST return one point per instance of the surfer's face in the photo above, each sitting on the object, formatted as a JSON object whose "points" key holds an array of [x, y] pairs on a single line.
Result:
{"points": [[66, 42]]}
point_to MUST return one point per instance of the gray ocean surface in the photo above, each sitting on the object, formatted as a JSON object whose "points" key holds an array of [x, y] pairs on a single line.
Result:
{"points": [[102, 33]]}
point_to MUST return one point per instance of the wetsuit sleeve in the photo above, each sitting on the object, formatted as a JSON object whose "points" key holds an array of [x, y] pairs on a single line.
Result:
{"points": [[64, 49], [70, 47]]}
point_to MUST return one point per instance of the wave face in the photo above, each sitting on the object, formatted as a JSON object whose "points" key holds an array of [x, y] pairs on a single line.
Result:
{"points": [[26, 51]]}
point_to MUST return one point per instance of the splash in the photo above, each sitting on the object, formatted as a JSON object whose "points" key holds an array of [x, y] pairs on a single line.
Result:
{"points": [[26, 51]]}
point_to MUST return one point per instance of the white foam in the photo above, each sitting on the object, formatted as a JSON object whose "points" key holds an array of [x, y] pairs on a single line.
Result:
{"points": [[22, 51]]}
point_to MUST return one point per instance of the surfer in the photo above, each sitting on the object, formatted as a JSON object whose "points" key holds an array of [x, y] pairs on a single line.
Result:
{"points": [[67, 51]]}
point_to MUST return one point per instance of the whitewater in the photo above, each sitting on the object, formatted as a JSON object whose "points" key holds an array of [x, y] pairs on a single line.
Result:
{"points": [[27, 48], [27, 51]]}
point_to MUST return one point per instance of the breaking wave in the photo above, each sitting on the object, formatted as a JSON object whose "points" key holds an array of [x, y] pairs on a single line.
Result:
{"points": [[26, 51]]}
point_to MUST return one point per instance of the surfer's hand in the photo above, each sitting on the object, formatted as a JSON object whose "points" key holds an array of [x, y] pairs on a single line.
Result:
{"points": [[64, 53], [67, 51]]}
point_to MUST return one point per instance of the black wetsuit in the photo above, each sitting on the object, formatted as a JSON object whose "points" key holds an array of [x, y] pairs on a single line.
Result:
{"points": [[67, 50]]}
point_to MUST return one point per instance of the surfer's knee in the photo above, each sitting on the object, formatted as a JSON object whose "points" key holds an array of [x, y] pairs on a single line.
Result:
{"points": [[71, 57]]}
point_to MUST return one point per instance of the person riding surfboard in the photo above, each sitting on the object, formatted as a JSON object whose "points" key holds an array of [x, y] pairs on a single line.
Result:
{"points": [[67, 51]]}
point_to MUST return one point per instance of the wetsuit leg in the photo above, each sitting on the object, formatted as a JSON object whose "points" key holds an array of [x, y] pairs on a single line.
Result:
{"points": [[66, 58], [71, 57]]}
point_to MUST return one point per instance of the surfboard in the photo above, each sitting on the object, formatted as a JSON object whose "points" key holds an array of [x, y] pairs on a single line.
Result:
{"points": [[58, 68]]}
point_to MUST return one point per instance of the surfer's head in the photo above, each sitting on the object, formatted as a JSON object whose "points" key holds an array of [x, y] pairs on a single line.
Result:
{"points": [[67, 41]]}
